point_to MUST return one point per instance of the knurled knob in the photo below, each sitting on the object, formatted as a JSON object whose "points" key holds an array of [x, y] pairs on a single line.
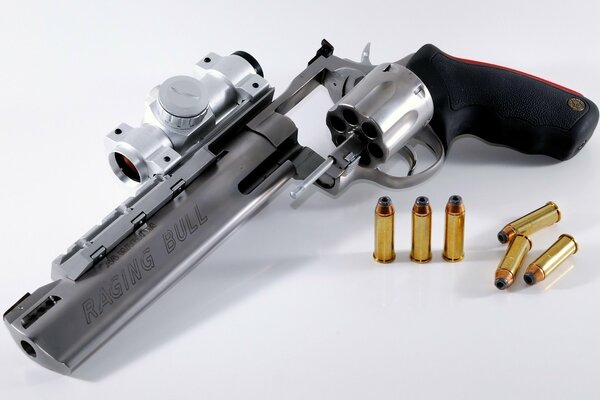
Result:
{"points": [[182, 102]]}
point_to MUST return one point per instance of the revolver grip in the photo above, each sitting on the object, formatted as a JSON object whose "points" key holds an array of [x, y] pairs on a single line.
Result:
{"points": [[503, 106]]}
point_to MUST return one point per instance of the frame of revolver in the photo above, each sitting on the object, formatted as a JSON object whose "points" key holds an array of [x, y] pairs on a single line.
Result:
{"points": [[155, 237]]}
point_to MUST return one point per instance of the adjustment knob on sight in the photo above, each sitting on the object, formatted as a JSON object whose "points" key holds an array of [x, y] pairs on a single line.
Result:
{"points": [[182, 101]]}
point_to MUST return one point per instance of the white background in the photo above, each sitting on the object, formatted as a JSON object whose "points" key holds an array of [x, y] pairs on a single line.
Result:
{"points": [[292, 306]]}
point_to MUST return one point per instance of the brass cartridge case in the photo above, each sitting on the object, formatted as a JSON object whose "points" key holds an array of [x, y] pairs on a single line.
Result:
{"points": [[550, 259], [384, 231], [512, 261], [530, 223], [455, 230], [421, 231]]}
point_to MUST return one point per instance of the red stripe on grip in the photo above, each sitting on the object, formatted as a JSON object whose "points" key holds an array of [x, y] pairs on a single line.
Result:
{"points": [[537, 78]]}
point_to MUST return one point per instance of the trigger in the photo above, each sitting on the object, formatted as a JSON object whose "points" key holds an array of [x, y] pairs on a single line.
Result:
{"points": [[408, 153]]}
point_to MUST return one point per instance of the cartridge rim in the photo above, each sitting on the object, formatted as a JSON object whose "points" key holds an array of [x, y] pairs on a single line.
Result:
{"points": [[572, 239], [423, 261], [445, 257], [559, 214], [382, 261]]}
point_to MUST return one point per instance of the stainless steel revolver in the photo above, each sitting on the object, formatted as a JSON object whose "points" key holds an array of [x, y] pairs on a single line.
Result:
{"points": [[213, 148]]}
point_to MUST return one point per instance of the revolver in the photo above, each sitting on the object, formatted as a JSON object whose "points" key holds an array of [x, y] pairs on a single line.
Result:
{"points": [[214, 147]]}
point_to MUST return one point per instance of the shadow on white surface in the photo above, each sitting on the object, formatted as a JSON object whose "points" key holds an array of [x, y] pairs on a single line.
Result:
{"points": [[476, 278], [477, 273]]}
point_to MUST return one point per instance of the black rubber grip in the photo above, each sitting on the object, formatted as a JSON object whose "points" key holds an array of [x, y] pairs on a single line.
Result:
{"points": [[503, 106]]}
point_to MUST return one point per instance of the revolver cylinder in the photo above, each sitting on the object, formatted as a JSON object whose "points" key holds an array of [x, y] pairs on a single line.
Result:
{"points": [[385, 109]]}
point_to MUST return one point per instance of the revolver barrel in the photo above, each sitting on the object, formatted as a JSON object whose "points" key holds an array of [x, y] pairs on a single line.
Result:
{"points": [[211, 150], [61, 324]]}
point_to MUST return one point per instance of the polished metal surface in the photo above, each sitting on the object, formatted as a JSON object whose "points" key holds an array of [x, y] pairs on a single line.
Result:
{"points": [[386, 109], [405, 100], [182, 113], [147, 262], [183, 101], [197, 185], [135, 211]]}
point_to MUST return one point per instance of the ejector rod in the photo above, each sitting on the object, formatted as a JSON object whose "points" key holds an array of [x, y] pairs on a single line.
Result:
{"points": [[312, 178]]}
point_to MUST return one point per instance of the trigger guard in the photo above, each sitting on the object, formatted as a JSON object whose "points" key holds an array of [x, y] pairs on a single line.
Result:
{"points": [[426, 137]]}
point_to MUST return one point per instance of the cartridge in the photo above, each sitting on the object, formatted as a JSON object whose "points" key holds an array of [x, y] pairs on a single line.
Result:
{"points": [[384, 231], [512, 261], [550, 259], [530, 223], [421, 231], [455, 230]]}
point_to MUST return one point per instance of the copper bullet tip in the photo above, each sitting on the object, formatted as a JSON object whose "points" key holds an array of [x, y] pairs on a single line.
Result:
{"points": [[384, 201], [421, 206], [501, 283], [455, 205], [505, 235], [529, 278], [422, 201], [503, 279], [455, 200]]}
